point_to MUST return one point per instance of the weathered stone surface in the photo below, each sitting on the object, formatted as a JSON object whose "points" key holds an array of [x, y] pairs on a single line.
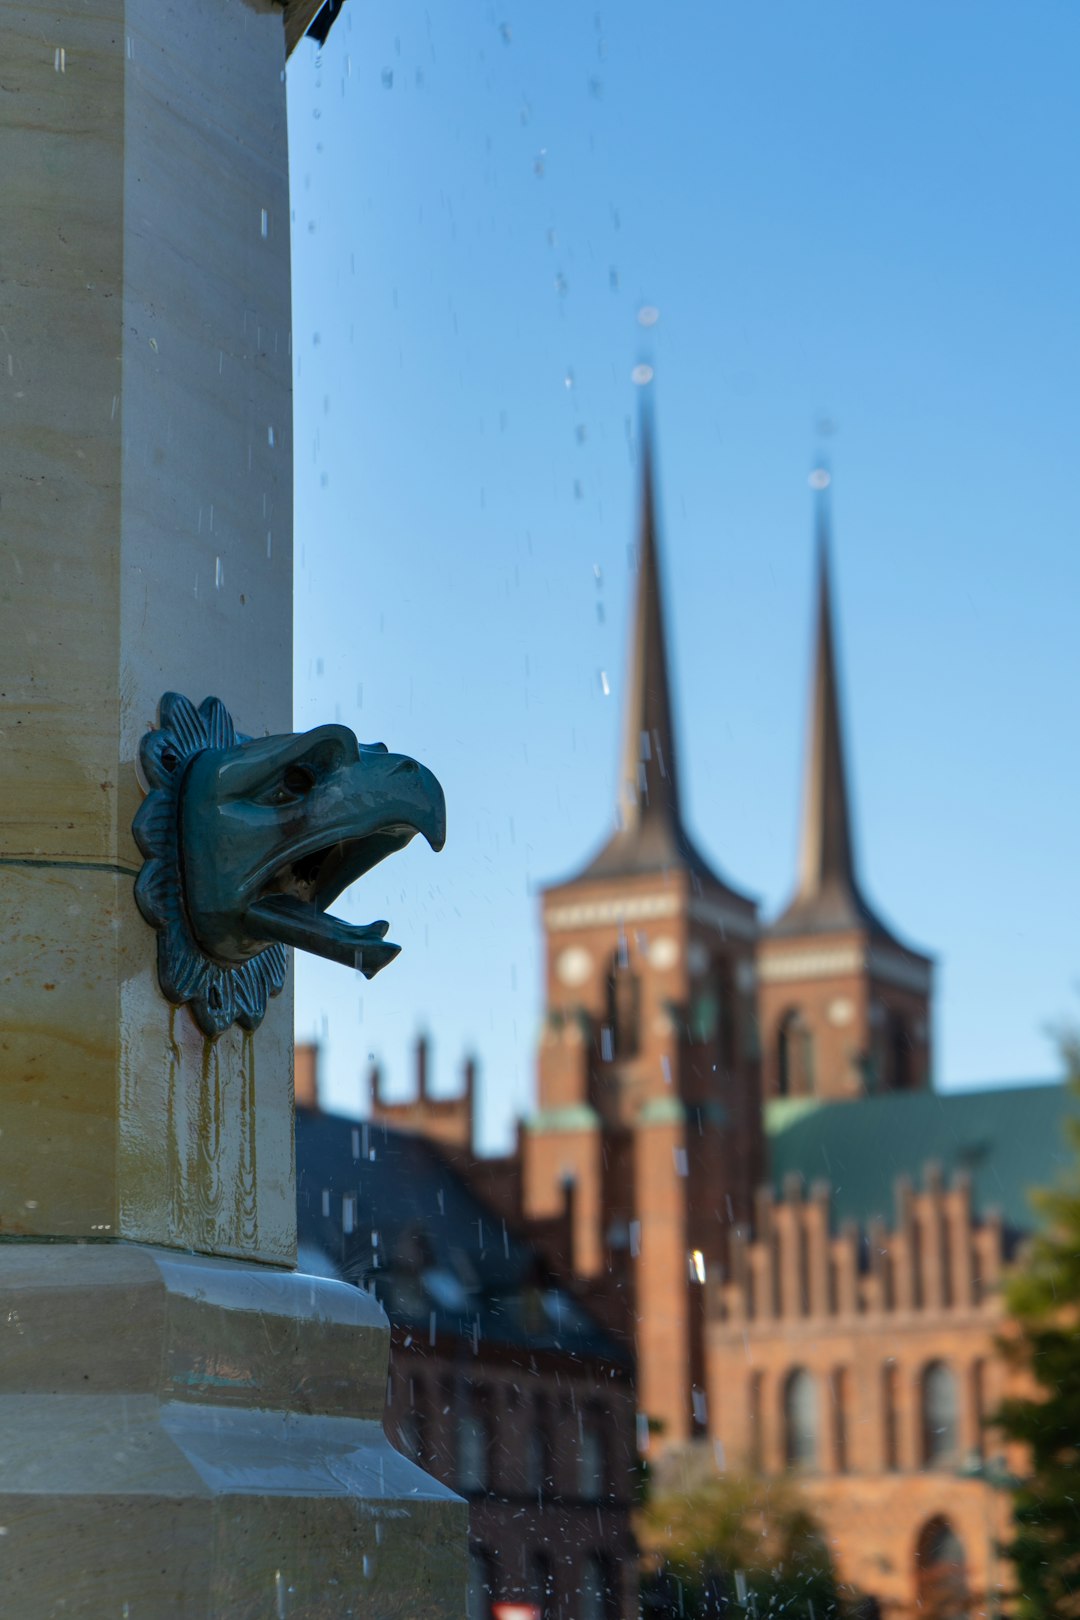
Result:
{"points": [[145, 480], [210, 1437]]}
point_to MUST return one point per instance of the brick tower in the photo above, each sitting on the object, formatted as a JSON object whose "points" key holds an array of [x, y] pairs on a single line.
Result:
{"points": [[844, 1006], [648, 1076]]}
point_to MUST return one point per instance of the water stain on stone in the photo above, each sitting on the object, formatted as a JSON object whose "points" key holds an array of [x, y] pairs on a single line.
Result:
{"points": [[247, 1209], [176, 1131]]}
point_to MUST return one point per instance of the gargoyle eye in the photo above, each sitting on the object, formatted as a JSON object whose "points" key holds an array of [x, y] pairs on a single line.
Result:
{"points": [[298, 779]]}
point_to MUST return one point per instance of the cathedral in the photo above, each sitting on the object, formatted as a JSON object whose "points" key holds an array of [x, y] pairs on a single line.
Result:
{"points": [[738, 1156]]}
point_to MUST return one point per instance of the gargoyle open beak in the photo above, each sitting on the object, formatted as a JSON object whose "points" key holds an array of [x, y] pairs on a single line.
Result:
{"points": [[312, 814], [295, 912]]}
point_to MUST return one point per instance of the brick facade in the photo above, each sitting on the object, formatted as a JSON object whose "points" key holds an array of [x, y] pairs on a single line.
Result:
{"points": [[545, 1453], [893, 1334]]}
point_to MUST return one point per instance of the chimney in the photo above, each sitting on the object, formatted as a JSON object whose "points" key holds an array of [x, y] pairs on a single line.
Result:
{"points": [[469, 1074], [306, 1075]]}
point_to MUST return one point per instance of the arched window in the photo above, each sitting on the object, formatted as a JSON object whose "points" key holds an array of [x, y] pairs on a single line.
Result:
{"points": [[876, 1067], [794, 1056], [538, 1476], [473, 1446], [978, 1404], [596, 1589], [591, 1470], [899, 1053], [838, 1388], [754, 1414], [542, 1584], [801, 1420], [939, 1415], [725, 1007], [478, 1596], [623, 1009], [940, 1578], [890, 1422]]}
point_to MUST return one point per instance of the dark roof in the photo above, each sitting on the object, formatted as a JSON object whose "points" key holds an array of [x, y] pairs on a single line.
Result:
{"points": [[389, 1213], [1010, 1139], [828, 897], [651, 835], [315, 18], [324, 20]]}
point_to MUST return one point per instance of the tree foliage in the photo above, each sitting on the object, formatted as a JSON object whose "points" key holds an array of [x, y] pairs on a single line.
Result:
{"points": [[1043, 1301], [740, 1543]]}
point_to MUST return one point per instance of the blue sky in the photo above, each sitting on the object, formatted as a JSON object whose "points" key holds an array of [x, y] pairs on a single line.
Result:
{"points": [[860, 212]]}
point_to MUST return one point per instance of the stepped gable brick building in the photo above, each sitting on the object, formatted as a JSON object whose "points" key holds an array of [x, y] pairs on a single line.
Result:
{"points": [[739, 1157], [854, 1339]]}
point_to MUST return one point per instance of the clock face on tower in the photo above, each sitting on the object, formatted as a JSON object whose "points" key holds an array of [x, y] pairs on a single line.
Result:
{"points": [[664, 952], [573, 966]]}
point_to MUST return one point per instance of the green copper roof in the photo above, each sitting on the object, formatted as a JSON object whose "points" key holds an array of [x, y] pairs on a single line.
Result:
{"points": [[575, 1117], [662, 1111], [1009, 1138]]}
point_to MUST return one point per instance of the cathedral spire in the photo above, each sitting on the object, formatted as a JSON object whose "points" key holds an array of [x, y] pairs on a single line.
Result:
{"points": [[828, 894], [648, 787], [650, 835], [826, 858]]}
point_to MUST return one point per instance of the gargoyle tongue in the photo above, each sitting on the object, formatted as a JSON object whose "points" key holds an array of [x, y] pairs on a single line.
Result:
{"points": [[292, 921]]}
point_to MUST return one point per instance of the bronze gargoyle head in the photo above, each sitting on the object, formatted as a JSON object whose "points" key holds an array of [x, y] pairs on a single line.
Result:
{"points": [[249, 841]]}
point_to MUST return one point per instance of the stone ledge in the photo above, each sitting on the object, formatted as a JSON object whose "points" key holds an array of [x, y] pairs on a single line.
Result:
{"points": [[182, 1437], [184, 1327]]}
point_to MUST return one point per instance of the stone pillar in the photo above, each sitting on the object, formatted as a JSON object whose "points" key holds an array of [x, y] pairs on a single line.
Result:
{"points": [[146, 498], [198, 1433]]}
